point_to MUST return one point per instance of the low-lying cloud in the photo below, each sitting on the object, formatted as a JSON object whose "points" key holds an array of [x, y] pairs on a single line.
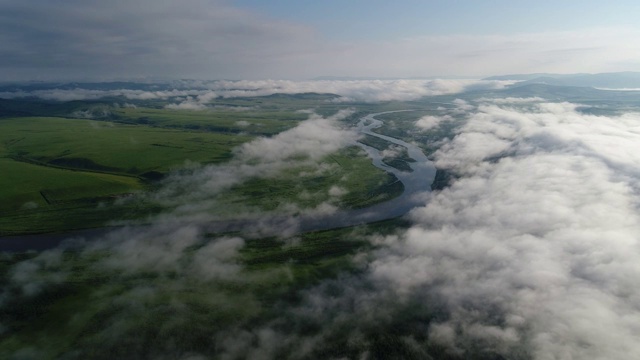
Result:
{"points": [[531, 252], [197, 94], [305, 144], [429, 122], [534, 249]]}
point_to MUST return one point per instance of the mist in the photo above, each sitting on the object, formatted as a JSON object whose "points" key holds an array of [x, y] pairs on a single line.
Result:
{"points": [[535, 245], [195, 95], [487, 217], [530, 253]]}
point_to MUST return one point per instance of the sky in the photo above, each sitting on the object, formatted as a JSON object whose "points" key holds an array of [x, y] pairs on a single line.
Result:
{"points": [[298, 40]]}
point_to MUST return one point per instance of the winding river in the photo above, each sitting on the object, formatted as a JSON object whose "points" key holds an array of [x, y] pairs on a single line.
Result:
{"points": [[416, 183]]}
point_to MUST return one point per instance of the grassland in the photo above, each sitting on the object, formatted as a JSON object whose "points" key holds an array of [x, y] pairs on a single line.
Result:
{"points": [[63, 173], [102, 312], [347, 181], [110, 147], [226, 120], [58, 174], [401, 125], [27, 186]]}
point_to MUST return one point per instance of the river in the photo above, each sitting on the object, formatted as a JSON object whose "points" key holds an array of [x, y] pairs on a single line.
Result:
{"points": [[416, 183]]}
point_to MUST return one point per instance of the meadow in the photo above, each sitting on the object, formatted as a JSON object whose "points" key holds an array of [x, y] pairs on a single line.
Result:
{"points": [[65, 173], [224, 119], [68, 172], [58, 174], [175, 291], [358, 185], [105, 312]]}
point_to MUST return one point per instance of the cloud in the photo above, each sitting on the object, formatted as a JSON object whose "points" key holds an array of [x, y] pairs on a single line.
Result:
{"points": [[217, 40], [148, 38], [512, 100], [94, 94], [195, 95], [536, 243], [429, 122], [193, 193], [337, 191], [532, 252], [174, 256], [621, 89], [188, 104], [313, 138]]}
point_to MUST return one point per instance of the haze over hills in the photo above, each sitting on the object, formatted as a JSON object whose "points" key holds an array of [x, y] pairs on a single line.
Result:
{"points": [[563, 93], [626, 80], [615, 80]]}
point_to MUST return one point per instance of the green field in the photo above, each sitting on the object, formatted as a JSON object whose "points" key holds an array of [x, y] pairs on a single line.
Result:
{"points": [[173, 290], [61, 174], [249, 121], [106, 312], [27, 186], [110, 147], [401, 125], [355, 183]]}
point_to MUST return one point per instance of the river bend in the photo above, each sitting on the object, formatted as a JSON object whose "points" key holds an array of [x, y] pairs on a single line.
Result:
{"points": [[415, 183]]}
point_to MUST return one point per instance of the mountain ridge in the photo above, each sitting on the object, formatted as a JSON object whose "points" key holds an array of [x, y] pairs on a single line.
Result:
{"points": [[610, 80]]}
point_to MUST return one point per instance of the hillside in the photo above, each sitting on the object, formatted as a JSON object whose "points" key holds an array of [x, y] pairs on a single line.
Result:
{"points": [[616, 80]]}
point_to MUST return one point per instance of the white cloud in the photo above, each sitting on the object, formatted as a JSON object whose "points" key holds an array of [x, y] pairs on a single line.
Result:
{"points": [[536, 250], [620, 89], [532, 252], [203, 92], [337, 191], [585, 50], [188, 104], [194, 193], [313, 138], [512, 100], [429, 122]]}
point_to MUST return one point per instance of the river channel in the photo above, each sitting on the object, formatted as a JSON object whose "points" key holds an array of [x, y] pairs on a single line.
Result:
{"points": [[416, 183]]}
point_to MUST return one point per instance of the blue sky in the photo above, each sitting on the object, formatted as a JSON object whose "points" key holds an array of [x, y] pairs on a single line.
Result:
{"points": [[277, 39], [378, 19]]}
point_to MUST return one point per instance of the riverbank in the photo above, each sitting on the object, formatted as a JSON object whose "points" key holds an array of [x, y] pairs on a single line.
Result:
{"points": [[416, 183]]}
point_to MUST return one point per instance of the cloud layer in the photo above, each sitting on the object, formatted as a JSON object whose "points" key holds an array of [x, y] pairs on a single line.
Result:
{"points": [[216, 40], [531, 253], [193, 193], [195, 95], [534, 249]]}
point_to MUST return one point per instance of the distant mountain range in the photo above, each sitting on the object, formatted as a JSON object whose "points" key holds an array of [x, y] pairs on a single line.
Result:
{"points": [[576, 94], [365, 78], [616, 80]]}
